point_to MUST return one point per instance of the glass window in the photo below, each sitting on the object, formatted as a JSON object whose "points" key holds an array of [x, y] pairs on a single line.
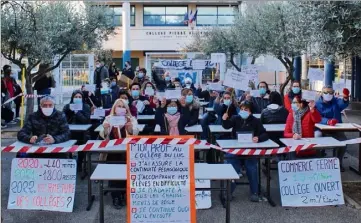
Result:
{"points": [[115, 15], [215, 15], [164, 15]]}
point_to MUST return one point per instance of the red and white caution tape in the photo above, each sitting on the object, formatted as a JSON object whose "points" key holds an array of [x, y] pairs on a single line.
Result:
{"points": [[267, 152]]}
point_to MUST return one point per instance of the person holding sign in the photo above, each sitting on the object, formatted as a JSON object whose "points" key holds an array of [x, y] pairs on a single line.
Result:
{"points": [[90, 98], [294, 91], [141, 76], [190, 106], [162, 83], [330, 109], [119, 124], [138, 99], [245, 122], [261, 102], [127, 100], [301, 122], [148, 90]]}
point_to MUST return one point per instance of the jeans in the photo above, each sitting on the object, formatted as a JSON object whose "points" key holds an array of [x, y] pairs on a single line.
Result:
{"points": [[251, 165]]}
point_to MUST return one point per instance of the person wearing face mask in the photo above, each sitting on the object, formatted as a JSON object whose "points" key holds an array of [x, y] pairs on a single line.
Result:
{"points": [[141, 77], [169, 118], [128, 70], [330, 109], [301, 122], [45, 126], [149, 91], [100, 74], [177, 84], [129, 127], [128, 100], [245, 122], [261, 102], [135, 92], [294, 91], [188, 84], [162, 83], [190, 107], [113, 71], [114, 89]]}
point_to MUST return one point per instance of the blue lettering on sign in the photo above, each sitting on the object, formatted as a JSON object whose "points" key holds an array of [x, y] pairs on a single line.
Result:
{"points": [[190, 74]]}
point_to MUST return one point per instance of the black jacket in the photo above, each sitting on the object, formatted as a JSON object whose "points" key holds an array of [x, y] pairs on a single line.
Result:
{"points": [[203, 94], [163, 123], [251, 124], [191, 114], [128, 73], [81, 117], [39, 124], [259, 104], [161, 84], [43, 83], [274, 116], [147, 109]]}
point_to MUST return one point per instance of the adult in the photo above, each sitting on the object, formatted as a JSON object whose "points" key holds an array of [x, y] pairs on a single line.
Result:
{"points": [[164, 82], [124, 95], [188, 84], [260, 103], [90, 98], [114, 89], [301, 122], [293, 92], [141, 77], [330, 109], [245, 122], [44, 83], [189, 107], [149, 90], [100, 74], [113, 71], [45, 126], [275, 112], [128, 70]]}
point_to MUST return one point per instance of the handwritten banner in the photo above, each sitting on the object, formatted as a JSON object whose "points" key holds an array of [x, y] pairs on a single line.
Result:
{"points": [[311, 182], [161, 186], [42, 184], [184, 64], [236, 80], [309, 95], [203, 198]]}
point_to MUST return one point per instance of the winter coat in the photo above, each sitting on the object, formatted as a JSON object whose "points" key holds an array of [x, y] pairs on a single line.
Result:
{"points": [[251, 124], [259, 104], [308, 122], [43, 83], [161, 84], [203, 94], [115, 93], [129, 73], [80, 117], [148, 110], [38, 124], [274, 115], [191, 111], [288, 98], [332, 109], [220, 109], [100, 74]]}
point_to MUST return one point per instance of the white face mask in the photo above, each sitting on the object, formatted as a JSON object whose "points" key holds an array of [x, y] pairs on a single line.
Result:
{"points": [[327, 97], [47, 111]]}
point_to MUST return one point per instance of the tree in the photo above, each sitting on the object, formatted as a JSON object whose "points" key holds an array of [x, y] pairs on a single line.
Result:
{"points": [[40, 31]]}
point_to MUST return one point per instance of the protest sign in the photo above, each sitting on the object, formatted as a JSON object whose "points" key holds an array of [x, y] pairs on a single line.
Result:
{"points": [[174, 64], [218, 58], [310, 182], [203, 198], [140, 106], [309, 95], [339, 86], [244, 137], [42, 184], [255, 93], [76, 107], [99, 112], [315, 74], [216, 86], [198, 64], [90, 87], [173, 94], [160, 95], [236, 79], [117, 120], [161, 185], [251, 72]]}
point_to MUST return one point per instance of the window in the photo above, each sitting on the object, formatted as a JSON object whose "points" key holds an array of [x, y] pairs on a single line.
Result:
{"points": [[164, 15], [215, 15], [119, 62], [115, 15]]}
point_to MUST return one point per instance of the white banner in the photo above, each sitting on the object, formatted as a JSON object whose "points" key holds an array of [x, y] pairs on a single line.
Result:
{"points": [[315, 74]]}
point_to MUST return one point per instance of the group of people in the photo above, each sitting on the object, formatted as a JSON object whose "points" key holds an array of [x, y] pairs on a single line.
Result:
{"points": [[48, 125]]}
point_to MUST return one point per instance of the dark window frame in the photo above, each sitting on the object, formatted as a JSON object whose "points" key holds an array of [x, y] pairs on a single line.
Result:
{"points": [[165, 15], [217, 15]]}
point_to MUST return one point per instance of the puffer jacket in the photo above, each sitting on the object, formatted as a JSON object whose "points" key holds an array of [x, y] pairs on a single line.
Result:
{"points": [[332, 109], [274, 115], [39, 124]]}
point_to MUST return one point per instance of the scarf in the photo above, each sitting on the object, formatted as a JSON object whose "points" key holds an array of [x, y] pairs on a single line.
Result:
{"points": [[297, 122], [173, 123]]}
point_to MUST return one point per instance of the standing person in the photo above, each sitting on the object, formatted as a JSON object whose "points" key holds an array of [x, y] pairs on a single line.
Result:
{"points": [[261, 102], [301, 122], [128, 70], [245, 122], [294, 91], [46, 81], [330, 109], [129, 127], [100, 74], [113, 71], [81, 117], [141, 77], [114, 89], [9, 89], [162, 83]]}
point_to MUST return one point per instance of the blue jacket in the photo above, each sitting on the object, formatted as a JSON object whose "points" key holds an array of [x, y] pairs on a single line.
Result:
{"points": [[332, 109]]}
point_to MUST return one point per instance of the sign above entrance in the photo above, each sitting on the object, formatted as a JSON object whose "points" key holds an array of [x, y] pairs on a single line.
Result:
{"points": [[172, 34]]}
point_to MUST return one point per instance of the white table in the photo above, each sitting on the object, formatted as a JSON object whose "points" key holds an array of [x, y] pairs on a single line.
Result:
{"points": [[33, 147], [268, 127], [234, 144], [322, 142], [219, 129], [81, 128], [222, 172], [201, 116], [101, 128], [338, 127], [145, 117], [257, 115], [190, 129], [209, 109]]}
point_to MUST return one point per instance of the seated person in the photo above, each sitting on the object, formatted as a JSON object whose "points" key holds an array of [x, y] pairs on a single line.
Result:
{"points": [[245, 122], [188, 84], [301, 122], [90, 98], [114, 89], [141, 77], [45, 126], [163, 82], [177, 83], [127, 100], [190, 106], [129, 127], [274, 113], [261, 102], [330, 109], [136, 96], [148, 90], [294, 91], [170, 119]]}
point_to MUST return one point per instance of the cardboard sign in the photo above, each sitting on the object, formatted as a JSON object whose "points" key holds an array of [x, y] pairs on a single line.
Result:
{"points": [[315, 74], [140, 106], [99, 112], [255, 93], [42, 184], [218, 58], [160, 185], [117, 120], [90, 87], [251, 72], [203, 198], [310, 182], [76, 107], [173, 94], [198, 64], [237, 79], [309, 95]]}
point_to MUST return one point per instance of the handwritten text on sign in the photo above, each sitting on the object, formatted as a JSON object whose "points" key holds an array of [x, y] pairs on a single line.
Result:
{"points": [[42, 184], [236, 79], [311, 182], [160, 183]]}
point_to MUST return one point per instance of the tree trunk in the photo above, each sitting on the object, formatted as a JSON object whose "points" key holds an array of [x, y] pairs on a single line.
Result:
{"points": [[29, 90], [284, 84]]}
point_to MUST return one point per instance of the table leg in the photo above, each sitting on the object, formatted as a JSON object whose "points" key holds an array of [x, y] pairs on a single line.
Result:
{"points": [[91, 197], [359, 161], [101, 202], [84, 168], [259, 177], [228, 202], [270, 201]]}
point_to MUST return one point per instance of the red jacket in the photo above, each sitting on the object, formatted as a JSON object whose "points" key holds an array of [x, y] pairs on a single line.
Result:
{"points": [[287, 102], [308, 127]]}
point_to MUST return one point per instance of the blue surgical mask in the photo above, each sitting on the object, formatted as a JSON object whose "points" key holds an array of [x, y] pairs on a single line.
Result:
{"points": [[327, 97], [77, 100], [140, 75], [227, 102], [296, 90], [294, 107], [167, 78], [172, 110], [244, 114], [188, 86], [189, 98], [262, 91], [135, 93], [113, 84]]}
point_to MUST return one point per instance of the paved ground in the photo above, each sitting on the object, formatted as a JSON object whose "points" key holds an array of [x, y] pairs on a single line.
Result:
{"points": [[242, 209]]}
